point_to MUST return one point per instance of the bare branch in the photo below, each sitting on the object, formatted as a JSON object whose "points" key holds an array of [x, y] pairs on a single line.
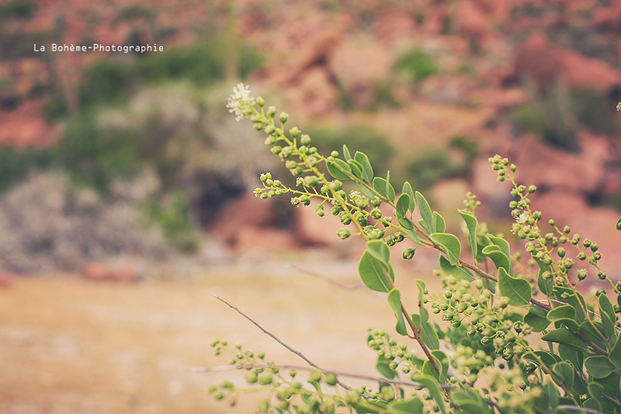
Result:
{"points": [[298, 353], [326, 278]]}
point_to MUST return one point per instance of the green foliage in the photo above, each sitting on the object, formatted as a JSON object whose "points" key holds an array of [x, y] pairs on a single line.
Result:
{"points": [[418, 64], [107, 81], [175, 220], [15, 164], [494, 309], [96, 156], [18, 9]]}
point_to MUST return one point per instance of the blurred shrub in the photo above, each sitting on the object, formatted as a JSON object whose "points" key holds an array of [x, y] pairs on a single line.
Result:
{"points": [[417, 63], [106, 81], [19, 9], [16, 163], [201, 63], [424, 167], [95, 157], [594, 110], [174, 218], [548, 116]]}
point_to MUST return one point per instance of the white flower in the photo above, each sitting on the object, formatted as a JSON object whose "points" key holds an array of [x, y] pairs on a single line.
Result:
{"points": [[240, 102], [523, 218]]}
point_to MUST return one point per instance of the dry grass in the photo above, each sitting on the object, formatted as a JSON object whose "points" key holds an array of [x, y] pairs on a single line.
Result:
{"points": [[69, 346]]}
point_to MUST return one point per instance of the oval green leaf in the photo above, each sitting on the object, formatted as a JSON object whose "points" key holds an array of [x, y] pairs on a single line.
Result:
{"points": [[339, 169], [598, 366], [472, 225], [450, 244], [394, 301], [518, 290], [403, 204], [366, 165], [425, 211], [373, 274], [460, 273], [407, 189], [565, 337]]}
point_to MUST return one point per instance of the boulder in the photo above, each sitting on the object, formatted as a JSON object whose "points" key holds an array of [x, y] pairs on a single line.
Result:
{"points": [[247, 210], [547, 167]]}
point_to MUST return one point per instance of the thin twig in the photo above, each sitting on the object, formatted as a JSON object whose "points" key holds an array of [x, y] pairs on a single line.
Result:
{"points": [[326, 278], [298, 353], [579, 409]]}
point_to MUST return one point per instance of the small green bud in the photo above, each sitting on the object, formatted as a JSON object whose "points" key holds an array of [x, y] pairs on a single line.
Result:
{"points": [[601, 275], [315, 375], [259, 127], [331, 379], [295, 132], [271, 111], [265, 379], [582, 274], [566, 229], [335, 210], [251, 377], [283, 117], [305, 139], [343, 233], [560, 252], [594, 247], [260, 101], [408, 253], [600, 292], [532, 189]]}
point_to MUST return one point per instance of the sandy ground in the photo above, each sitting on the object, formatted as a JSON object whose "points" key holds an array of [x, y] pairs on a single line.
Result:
{"points": [[69, 346]]}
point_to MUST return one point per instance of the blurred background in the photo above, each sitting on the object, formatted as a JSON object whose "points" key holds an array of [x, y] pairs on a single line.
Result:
{"points": [[126, 186]]}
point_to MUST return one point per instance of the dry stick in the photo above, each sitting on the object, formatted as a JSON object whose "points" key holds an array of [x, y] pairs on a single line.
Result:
{"points": [[308, 361], [325, 278]]}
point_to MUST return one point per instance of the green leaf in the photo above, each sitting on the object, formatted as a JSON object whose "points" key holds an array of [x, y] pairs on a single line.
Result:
{"points": [[366, 191], [588, 331], [373, 274], [342, 173], [566, 295], [394, 301], [546, 357], [390, 191], [346, 153], [502, 244], [615, 353], [545, 285], [607, 314], [598, 366], [407, 189], [567, 354], [565, 372], [380, 251], [518, 290], [425, 211], [565, 337], [403, 203], [424, 315], [536, 318], [383, 367], [619, 224], [500, 259], [356, 168], [450, 244], [408, 232], [472, 224], [410, 406], [427, 334], [443, 363], [432, 386], [366, 165], [379, 185], [460, 273], [565, 314], [438, 223]]}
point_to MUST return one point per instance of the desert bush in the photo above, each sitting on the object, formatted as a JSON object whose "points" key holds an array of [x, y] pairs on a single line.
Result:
{"points": [[417, 63], [495, 307]]}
